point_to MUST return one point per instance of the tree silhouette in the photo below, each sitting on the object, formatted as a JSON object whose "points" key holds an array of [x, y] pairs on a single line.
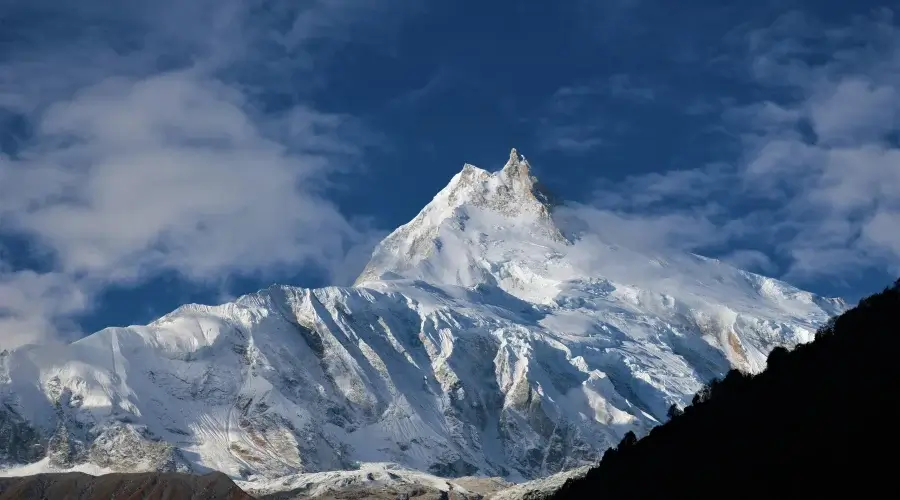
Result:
{"points": [[674, 412], [628, 440]]}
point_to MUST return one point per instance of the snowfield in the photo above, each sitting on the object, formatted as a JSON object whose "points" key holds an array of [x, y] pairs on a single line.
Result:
{"points": [[482, 339]]}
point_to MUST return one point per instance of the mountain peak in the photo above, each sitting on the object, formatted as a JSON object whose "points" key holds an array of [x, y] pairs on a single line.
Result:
{"points": [[512, 190], [515, 159], [475, 205], [517, 171]]}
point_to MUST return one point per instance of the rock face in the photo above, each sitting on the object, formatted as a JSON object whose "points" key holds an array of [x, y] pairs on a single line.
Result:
{"points": [[484, 338], [19, 441], [78, 486]]}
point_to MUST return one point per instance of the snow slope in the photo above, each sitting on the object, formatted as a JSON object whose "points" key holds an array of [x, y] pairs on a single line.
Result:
{"points": [[482, 338]]}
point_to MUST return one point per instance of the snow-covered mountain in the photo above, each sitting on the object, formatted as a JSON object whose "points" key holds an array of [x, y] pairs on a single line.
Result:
{"points": [[482, 338]]}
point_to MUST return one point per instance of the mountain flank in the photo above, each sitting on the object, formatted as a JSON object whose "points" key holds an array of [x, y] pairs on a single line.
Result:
{"points": [[818, 420]]}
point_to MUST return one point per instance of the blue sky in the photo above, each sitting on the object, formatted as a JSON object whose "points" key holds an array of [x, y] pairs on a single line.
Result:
{"points": [[155, 153]]}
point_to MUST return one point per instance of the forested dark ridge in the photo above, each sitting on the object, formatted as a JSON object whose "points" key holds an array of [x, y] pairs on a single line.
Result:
{"points": [[821, 419]]}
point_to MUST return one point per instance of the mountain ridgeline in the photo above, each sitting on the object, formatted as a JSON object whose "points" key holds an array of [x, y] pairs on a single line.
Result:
{"points": [[818, 418], [485, 337]]}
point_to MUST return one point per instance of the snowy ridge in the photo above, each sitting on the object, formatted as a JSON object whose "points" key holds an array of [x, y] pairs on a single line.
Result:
{"points": [[481, 339], [369, 475]]}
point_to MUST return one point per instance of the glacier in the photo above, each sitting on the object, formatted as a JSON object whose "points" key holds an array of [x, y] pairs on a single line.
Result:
{"points": [[484, 337]]}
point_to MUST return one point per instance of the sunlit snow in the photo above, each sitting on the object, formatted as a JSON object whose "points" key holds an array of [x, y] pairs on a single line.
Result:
{"points": [[483, 338]]}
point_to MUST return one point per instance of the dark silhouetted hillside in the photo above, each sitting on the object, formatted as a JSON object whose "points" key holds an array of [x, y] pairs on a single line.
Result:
{"points": [[820, 420], [143, 486]]}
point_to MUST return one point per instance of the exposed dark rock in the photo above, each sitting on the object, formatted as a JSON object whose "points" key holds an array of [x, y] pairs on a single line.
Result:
{"points": [[20, 443], [147, 486]]}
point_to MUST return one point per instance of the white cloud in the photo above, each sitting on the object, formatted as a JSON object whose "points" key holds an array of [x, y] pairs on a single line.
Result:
{"points": [[35, 307], [168, 172], [683, 230], [751, 260], [818, 182], [842, 180], [853, 111], [132, 170]]}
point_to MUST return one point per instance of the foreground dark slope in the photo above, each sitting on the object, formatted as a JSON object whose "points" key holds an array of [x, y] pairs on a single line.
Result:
{"points": [[819, 418], [144, 486]]}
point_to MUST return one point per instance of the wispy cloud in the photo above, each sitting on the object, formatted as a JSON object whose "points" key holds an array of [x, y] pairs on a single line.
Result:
{"points": [[817, 186], [148, 148], [624, 86], [440, 81], [569, 138], [640, 231], [577, 118]]}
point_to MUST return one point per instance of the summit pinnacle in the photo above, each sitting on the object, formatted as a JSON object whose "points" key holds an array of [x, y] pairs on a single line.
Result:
{"points": [[510, 197]]}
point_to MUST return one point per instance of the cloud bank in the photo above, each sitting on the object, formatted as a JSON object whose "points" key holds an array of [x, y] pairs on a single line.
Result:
{"points": [[815, 191], [143, 143]]}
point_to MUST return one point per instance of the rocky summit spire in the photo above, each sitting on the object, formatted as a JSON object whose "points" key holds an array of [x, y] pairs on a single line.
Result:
{"points": [[514, 156], [517, 171], [511, 193], [515, 160]]}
